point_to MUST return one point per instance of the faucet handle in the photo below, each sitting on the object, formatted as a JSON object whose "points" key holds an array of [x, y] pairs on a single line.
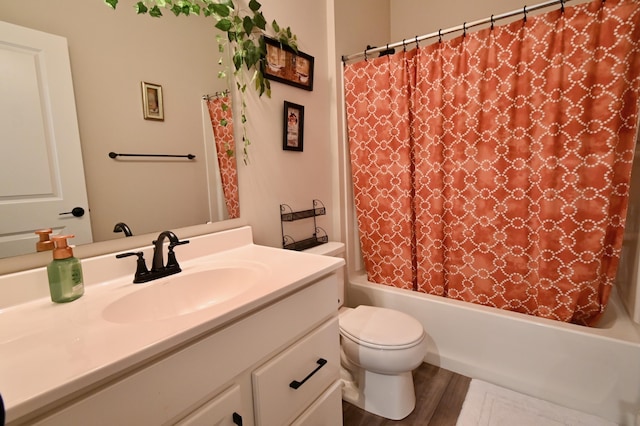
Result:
{"points": [[178, 243], [172, 262], [141, 266]]}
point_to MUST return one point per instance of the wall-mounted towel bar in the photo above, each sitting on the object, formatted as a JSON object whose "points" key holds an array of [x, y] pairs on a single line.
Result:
{"points": [[114, 155]]}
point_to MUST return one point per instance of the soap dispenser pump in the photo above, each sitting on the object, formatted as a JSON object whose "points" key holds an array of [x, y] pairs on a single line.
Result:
{"points": [[66, 282], [45, 243]]}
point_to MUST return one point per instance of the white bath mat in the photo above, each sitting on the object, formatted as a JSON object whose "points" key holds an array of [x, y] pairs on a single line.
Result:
{"points": [[490, 405]]}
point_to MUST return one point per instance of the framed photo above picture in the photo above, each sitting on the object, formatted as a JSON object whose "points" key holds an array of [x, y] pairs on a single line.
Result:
{"points": [[293, 127], [285, 65], [152, 104]]}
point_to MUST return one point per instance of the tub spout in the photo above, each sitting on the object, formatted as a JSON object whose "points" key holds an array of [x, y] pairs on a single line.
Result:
{"points": [[122, 227]]}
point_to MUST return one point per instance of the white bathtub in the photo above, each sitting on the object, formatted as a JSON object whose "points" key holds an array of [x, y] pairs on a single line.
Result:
{"points": [[594, 370]]}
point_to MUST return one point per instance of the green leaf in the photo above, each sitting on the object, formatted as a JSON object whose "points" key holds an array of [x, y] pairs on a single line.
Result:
{"points": [[176, 9], [220, 9], [140, 8], [112, 3], [195, 9], [228, 3], [237, 59], [224, 122], [254, 5], [260, 83], [224, 25], [155, 12], [268, 86], [252, 54], [259, 21], [275, 26], [225, 107], [247, 24], [292, 44]]}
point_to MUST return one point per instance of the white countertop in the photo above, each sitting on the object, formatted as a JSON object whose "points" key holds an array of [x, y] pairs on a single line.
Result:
{"points": [[49, 351]]}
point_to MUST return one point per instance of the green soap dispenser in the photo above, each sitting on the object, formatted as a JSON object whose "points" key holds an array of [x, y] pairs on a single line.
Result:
{"points": [[65, 272]]}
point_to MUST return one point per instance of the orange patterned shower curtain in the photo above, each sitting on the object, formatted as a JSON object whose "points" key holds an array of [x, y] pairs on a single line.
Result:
{"points": [[221, 115], [494, 168]]}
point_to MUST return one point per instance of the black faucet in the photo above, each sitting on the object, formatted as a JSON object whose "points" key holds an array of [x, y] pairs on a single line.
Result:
{"points": [[158, 268], [122, 227], [172, 264]]}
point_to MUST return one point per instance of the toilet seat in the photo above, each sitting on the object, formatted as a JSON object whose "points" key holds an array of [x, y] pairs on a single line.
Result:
{"points": [[381, 328]]}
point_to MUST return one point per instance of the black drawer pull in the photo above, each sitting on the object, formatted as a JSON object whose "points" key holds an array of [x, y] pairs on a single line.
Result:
{"points": [[296, 384], [237, 419]]}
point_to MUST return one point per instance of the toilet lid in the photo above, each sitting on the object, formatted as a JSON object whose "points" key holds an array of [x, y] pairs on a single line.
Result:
{"points": [[374, 326]]}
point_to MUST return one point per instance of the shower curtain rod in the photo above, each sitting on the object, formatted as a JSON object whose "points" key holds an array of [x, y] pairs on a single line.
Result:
{"points": [[464, 27], [216, 95]]}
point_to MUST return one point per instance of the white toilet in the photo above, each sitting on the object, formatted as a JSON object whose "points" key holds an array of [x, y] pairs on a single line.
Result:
{"points": [[380, 348]]}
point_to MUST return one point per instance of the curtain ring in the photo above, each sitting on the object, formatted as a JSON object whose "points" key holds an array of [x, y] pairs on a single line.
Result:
{"points": [[492, 22], [524, 11], [464, 29], [417, 44], [440, 36], [404, 46], [366, 58], [562, 6]]}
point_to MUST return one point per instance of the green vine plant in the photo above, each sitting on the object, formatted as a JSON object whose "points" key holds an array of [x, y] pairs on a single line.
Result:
{"points": [[244, 31]]}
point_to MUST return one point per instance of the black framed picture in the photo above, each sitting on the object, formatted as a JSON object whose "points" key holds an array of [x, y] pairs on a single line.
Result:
{"points": [[293, 127], [285, 65]]}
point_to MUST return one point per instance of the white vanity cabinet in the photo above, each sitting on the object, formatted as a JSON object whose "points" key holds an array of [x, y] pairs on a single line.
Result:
{"points": [[241, 373]]}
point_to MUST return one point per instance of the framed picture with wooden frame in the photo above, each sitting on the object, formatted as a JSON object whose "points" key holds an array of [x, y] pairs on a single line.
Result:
{"points": [[293, 127], [285, 65], [152, 103]]}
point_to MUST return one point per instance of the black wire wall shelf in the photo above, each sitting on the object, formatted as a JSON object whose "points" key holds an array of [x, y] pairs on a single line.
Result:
{"points": [[319, 235], [290, 244]]}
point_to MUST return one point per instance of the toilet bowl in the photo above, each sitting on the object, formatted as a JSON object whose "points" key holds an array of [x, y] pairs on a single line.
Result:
{"points": [[379, 349]]}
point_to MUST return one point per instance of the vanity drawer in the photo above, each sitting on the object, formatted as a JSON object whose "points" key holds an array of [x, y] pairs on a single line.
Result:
{"points": [[287, 384], [223, 410], [325, 411]]}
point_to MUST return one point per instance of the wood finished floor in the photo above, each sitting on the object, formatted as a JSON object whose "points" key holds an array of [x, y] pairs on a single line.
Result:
{"points": [[439, 397]]}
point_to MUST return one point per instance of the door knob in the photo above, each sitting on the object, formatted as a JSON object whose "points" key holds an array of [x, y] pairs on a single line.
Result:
{"points": [[77, 212]]}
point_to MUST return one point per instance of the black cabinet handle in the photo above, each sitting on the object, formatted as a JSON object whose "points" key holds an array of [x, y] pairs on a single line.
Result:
{"points": [[237, 419], [296, 384]]}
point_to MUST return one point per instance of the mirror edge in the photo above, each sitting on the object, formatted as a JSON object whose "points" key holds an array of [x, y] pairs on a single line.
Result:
{"points": [[37, 260]]}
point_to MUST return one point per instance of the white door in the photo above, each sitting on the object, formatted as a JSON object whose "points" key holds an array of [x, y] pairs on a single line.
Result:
{"points": [[41, 171]]}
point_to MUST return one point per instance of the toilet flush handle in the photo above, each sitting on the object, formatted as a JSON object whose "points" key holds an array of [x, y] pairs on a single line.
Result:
{"points": [[296, 384]]}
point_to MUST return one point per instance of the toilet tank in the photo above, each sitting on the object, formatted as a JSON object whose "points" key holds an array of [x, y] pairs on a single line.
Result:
{"points": [[334, 249]]}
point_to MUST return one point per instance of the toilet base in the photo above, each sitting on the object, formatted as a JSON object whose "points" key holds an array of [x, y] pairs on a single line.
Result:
{"points": [[389, 396]]}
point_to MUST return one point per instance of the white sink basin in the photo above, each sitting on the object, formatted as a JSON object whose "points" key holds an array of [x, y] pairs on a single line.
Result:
{"points": [[183, 293]]}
